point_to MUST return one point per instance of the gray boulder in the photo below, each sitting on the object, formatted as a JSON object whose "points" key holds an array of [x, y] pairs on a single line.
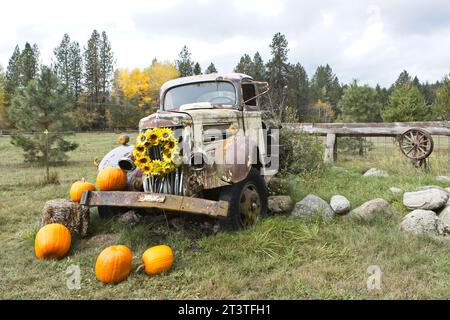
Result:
{"points": [[311, 205], [429, 199], [431, 187], [280, 204], [340, 204], [371, 209], [444, 215], [374, 172], [424, 222]]}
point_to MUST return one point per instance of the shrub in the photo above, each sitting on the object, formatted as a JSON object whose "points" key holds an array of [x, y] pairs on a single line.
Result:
{"points": [[300, 153]]}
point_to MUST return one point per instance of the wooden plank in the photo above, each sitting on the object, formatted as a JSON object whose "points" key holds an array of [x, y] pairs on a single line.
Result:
{"points": [[370, 129]]}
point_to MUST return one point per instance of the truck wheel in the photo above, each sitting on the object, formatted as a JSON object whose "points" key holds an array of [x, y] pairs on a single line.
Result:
{"points": [[248, 202], [105, 212]]}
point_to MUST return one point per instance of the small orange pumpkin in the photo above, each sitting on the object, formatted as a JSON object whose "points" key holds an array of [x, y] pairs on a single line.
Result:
{"points": [[157, 259], [78, 187], [113, 264], [112, 179], [52, 241]]}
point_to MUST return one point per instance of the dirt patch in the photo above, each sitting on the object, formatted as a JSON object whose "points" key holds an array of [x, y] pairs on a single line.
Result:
{"points": [[100, 240]]}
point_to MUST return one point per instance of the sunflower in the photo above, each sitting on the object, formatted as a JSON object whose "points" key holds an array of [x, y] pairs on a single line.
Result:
{"points": [[170, 152], [166, 134]]}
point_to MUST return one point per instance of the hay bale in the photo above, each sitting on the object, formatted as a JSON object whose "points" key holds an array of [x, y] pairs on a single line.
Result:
{"points": [[71, 214]]}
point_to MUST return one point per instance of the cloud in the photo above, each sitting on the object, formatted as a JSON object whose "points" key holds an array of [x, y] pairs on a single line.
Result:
{"points": [[372, 41]]}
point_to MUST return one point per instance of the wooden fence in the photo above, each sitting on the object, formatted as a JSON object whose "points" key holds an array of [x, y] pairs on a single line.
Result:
{"points": [[385, 129]]}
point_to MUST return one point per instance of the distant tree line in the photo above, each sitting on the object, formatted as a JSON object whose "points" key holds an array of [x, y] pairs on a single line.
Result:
{"points": [[100, 96]]}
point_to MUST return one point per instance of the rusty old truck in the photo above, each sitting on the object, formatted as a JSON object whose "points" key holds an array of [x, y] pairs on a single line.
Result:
{"points": [[228, 154]]}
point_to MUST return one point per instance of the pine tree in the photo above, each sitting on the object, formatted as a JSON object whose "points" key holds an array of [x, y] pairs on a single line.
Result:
{"points": [[277, 70], [3, 116], [76, 70], [406, 103], [298, 94], [245, 65], [441, 108], [211, 68], [92, 79], [29, 64], [184, 64], [403, 78], [325, 86], [106, 66], [258, 69], [360, 104], [44, 102], [12, 76], [61, 65], [197, 69]]}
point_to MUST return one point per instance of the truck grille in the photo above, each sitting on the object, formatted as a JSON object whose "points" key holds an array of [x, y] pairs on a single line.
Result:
{"points": [[171, 183]]}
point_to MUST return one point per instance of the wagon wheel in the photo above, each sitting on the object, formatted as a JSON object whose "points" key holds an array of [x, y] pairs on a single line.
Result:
{"points": [[416, 144]]}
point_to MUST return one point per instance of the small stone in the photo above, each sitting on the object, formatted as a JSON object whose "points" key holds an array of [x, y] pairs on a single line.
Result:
{"points": [[444, 215], [424, 222], [280, 204], [428, 199], [374, 172], [130, 217], [395, 190], [340, 204], [312, 205], [371, 209]]}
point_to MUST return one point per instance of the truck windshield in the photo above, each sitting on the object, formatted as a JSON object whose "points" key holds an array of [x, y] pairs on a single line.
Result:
{"points": [[215, 92]]}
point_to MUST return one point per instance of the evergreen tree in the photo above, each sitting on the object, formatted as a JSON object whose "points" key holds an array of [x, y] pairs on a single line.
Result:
{"points": [[29, 64], [382, 95], [245, 65], [92, 79], [3, 110], [258, 69], [184, 64], [325, 87], [44, 103], [197, 69], [211, 68], [360, 104], [12, 76], [106, 66], [61, 64], [277, 70], [298, 96], [76, 70], [403, 78], [406, 103], [441, 108]]}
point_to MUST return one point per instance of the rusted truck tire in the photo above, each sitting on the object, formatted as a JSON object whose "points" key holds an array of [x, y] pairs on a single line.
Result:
{"points": [[248, 202]]}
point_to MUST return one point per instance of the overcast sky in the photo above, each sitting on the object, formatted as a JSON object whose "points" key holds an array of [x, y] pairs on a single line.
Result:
{"points": [[372, 41]]}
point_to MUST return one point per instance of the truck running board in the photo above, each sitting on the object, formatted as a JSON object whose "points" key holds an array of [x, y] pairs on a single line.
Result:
{"points": [[143, 200]]}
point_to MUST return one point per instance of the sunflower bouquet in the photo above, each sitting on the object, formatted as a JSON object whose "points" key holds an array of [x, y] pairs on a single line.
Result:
{"points": [[168, 152]]}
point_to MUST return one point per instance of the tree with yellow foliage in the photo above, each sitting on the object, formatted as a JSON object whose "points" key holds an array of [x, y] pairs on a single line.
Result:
{"points": [[136, 93], [142, 86]]}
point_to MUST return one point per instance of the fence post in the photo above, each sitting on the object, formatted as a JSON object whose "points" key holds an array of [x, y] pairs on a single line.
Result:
{"points": [[330, 155], [46, 156]]}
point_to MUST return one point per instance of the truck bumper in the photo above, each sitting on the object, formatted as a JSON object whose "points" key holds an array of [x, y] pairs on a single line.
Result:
{"points": [[147, 200]]}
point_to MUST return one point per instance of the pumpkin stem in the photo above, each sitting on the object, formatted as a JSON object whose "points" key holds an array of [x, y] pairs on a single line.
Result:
{"points": [[139, 268], [83, 180]]}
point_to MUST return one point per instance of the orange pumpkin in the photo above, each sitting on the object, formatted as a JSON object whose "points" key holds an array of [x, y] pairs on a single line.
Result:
{"points": [[112, 179], [52, 241], [78, 187], [113, 264], [157, 259]]}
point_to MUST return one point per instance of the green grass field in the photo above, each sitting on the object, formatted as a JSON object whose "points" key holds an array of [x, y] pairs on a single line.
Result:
{"points": [[280, 257]]}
